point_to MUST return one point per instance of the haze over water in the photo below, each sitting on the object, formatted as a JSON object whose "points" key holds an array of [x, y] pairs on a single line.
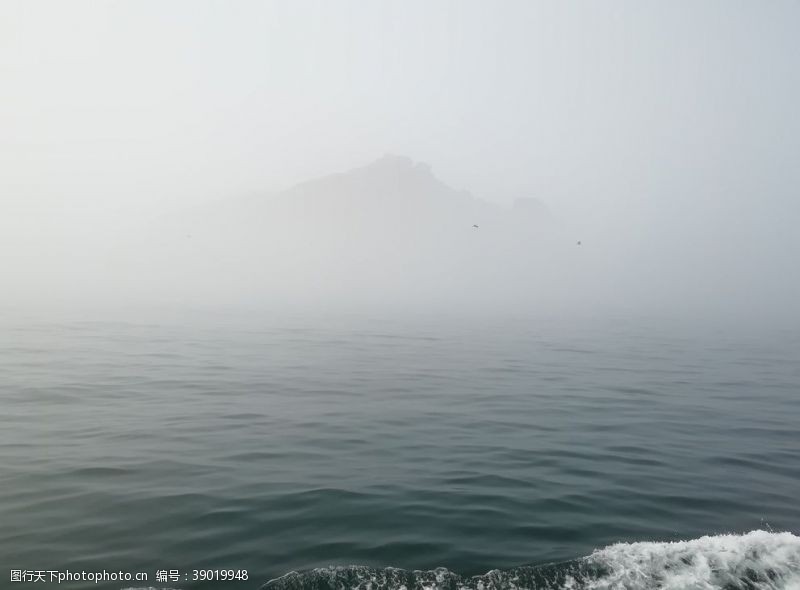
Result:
{"points": [[407, 285], [663, 136]]}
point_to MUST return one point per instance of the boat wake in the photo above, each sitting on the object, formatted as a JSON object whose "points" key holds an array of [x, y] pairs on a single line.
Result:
{"points": [[758, 560]]}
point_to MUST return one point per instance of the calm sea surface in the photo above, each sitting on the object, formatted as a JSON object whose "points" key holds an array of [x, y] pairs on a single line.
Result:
{"points": [[277, 445]]}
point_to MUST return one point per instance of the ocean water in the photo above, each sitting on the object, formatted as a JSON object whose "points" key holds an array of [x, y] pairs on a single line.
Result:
{"points": [[340, 452]]}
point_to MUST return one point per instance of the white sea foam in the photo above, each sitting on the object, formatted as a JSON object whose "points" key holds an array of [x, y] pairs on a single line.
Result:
{"points": [[758, 560]]}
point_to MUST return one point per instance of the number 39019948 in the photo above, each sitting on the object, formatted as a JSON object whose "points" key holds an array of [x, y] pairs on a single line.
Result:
{"points": [[219, 575]]}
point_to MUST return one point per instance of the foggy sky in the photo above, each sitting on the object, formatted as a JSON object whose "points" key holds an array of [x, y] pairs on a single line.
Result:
{"points": [[663, 134]]}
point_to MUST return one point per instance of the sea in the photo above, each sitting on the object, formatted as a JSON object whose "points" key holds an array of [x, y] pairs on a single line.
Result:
{"points": [[398, 452]]}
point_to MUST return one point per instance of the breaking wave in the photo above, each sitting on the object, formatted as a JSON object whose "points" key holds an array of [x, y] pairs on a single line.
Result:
{"points": [[758, 560]]}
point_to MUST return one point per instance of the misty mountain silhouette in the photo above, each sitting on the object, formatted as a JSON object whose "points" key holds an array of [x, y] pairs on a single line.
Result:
{"points": [[389, 229], [393, 189]]}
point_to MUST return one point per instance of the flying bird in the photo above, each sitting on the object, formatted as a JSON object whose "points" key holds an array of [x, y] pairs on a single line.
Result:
{"points": [[579, 243], [475, 225]]}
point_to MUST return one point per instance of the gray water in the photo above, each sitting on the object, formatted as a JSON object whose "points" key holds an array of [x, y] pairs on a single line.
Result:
{"points": [[278, 444]]}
